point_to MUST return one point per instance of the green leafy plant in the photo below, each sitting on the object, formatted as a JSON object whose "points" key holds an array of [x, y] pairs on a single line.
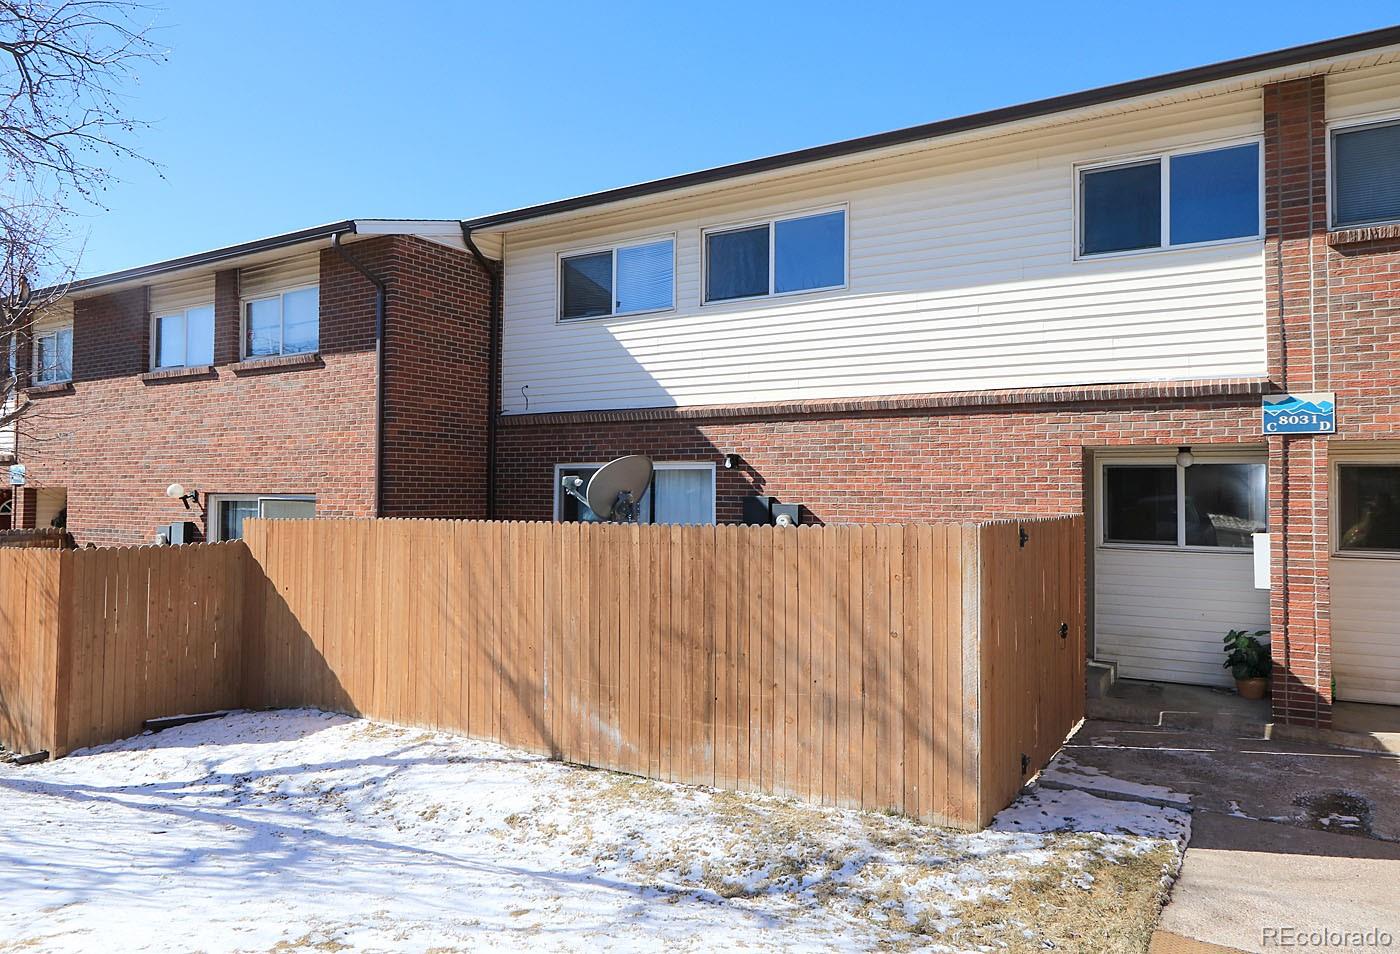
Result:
{"points": [[1246, 657]]}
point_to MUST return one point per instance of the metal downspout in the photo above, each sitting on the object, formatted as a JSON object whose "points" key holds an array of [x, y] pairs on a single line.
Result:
{"points": [[493, 371]]}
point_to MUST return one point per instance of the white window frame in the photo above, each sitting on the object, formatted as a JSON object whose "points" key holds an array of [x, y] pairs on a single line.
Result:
{"points": [[658, 465], [279, 296], [772, 222], [1103, 462], [1342, 126], [1164, 196], [1389, 457], [212, 502], [613, 313], [185, 319], [51, 331]]}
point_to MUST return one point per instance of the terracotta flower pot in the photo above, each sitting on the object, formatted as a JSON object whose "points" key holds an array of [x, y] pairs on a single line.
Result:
{"points": [[1255, 688]]}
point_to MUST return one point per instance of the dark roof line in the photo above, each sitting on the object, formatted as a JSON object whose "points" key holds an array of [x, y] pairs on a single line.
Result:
{"points": [[1341, 46], [216, 255]]}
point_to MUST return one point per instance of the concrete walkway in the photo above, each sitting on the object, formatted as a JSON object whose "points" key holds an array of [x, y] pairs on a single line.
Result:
{"points": [[1287, 839]]}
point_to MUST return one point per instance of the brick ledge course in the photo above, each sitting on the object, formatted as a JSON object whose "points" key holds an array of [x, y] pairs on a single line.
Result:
{"points": [[948, 400]]}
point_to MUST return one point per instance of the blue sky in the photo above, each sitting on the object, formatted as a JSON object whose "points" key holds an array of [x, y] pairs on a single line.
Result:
{"points": [[270, 117]]}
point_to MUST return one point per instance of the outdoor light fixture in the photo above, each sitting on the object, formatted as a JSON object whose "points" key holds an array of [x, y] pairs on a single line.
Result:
{"points": [[177, 492], [731, 461], [1184, 457]]}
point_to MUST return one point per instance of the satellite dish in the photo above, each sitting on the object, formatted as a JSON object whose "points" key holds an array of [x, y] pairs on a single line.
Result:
{"points": [[616, 489]]}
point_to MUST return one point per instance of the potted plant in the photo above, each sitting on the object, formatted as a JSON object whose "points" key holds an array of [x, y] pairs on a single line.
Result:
{"points": [[1249, 662]]}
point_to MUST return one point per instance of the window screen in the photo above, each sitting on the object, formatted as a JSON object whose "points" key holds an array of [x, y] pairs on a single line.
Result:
{"points": [[736, 263], [1121, 208], [1366, 176], [585, 285], [1215, 194], [645, 277], [809, 252]]}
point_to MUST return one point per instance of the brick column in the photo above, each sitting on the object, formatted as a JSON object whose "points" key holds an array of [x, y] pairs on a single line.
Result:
{"points": [[26, 503], [227, 320], [1295, 177]]}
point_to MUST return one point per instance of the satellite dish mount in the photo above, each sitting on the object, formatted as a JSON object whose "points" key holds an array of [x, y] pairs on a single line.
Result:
{"points": [[615, 492]]}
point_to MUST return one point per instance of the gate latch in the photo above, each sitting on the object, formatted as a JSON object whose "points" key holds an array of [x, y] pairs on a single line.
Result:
{"points": [[1064, 630]]}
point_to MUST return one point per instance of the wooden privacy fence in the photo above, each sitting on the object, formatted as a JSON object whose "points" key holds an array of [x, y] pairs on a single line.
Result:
{"points": [[925, 668]]}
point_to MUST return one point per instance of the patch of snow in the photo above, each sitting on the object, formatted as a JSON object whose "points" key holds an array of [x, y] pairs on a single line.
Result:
{"points": [[299, 830], [1068, 809]]}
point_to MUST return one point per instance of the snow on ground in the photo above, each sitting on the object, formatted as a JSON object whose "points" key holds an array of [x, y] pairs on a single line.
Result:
{"points": [[300, 830]]}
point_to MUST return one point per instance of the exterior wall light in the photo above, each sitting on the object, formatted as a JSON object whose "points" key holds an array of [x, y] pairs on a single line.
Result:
{"points": [[731, 461], [1184, 458], [177, 492]]}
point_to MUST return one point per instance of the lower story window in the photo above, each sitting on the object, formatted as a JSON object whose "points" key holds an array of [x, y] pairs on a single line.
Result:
{"points": [[679, 493], [228, 511], [1368, 508], [1204, 505]]}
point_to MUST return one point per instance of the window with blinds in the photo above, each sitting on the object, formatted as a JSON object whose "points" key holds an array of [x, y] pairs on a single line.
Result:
{"points": [[1366, 174], [621, 280]]}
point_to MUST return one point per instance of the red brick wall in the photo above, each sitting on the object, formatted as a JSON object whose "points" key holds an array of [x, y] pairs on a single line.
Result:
{"points": [[955, 463], [1334, 304], [436, 383], [115, 441]]}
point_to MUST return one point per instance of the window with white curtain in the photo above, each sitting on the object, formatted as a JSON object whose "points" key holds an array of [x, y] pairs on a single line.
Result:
{"points": [[53, 355], [679, 493], [621, 280], [286, 323], [185, 338], [1366, 174]]}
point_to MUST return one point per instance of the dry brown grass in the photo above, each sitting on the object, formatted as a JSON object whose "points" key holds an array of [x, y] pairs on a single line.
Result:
{"points": [[1114, 913]]}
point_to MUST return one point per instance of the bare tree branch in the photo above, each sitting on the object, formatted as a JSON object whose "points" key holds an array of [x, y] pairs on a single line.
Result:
{"points": [[64, 68]]}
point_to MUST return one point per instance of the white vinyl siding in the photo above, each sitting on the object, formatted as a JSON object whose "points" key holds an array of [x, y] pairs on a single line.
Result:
{"points": [[961, 275]]}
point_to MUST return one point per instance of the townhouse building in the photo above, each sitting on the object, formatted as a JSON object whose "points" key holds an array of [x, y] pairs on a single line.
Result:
{"points": [[260, 379], [1096, 303], [1075, 305]]}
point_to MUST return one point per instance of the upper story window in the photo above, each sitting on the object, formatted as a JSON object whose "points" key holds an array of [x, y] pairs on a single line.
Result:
{"points": [[781, 256], [288, 322], [1366, 174], [1174, 199], [622, 280], [184, 338], [53, 354]]}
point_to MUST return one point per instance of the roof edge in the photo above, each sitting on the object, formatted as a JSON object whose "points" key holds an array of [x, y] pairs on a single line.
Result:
{"points": [[1098, 96], [213, 256]]}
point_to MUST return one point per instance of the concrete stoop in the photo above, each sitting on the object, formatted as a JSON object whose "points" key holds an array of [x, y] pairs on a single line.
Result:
{"points": [[1188, 708]]}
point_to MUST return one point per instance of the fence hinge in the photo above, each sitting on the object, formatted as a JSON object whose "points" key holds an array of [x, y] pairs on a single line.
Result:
{"points": [[1025, 763], [1064, 630], [1024, 536]]}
